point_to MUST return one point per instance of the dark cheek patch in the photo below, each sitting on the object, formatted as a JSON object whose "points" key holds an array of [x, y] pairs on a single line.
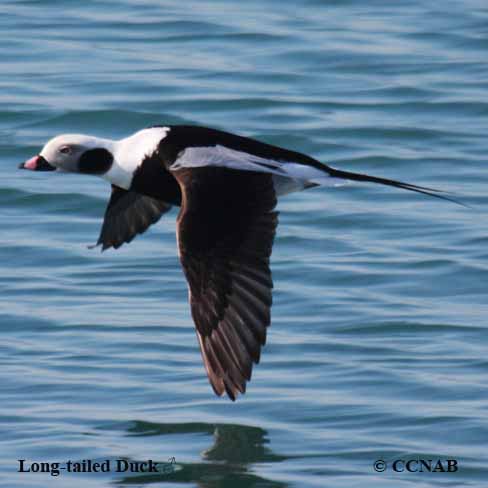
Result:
{"points": [[95, 161]]}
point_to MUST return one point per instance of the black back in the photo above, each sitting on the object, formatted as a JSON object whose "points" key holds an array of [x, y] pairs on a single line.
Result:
{"points": [[181, 137]]}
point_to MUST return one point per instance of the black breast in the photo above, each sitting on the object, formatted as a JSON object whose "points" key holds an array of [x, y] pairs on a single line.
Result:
{"points": [[153, 179]]}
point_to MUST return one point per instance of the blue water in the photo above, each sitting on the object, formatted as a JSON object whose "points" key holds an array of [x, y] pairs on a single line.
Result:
{"points": [[379, 343]]}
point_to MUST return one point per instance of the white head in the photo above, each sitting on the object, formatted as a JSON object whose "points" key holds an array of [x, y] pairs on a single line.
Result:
{"points": [[115, 161], [74, 153], [77, 153]]}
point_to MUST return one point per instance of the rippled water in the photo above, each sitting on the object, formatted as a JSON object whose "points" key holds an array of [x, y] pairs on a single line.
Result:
{"points": [[378, 345]]}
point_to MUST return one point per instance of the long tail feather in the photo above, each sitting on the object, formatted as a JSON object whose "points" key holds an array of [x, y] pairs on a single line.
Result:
{"points": [[335, 173]]}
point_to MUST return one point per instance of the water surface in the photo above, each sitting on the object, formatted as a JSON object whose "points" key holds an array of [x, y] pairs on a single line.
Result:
{"points": [[378, 343]]}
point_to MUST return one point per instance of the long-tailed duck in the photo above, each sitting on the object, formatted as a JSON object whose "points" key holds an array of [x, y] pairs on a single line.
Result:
{"points": [[227, 187]]}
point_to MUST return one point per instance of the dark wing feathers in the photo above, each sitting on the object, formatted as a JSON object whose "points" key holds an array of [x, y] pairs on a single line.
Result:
{"points": [[226, 229], [128, 213]]}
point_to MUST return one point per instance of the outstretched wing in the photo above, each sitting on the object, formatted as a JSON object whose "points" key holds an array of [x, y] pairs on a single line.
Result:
{"points": [[226, 229], [128, 213]]}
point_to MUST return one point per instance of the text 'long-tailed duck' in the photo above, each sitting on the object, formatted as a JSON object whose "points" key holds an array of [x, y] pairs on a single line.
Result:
{"points": [[226, 186]]}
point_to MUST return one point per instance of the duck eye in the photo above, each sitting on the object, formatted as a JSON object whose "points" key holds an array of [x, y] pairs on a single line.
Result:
{"points": [[65, 150]]}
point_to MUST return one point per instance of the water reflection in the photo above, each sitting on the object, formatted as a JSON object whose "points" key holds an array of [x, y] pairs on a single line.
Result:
{"points": [[228, 461]]}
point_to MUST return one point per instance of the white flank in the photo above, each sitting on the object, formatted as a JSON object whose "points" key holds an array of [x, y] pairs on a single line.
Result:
{"points": [[129, 153], [299, 174]]}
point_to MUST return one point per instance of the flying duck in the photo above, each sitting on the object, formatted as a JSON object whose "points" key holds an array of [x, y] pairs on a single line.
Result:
{"points": [[226, 187]]}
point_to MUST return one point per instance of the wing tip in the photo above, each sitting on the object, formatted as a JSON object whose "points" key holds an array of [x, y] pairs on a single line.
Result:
{"points": [[230, 389]]}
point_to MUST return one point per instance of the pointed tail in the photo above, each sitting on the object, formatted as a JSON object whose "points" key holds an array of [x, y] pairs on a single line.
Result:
{"points": [[336, 173]]}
